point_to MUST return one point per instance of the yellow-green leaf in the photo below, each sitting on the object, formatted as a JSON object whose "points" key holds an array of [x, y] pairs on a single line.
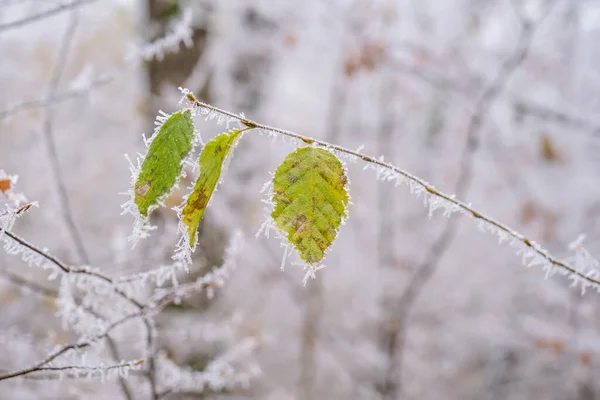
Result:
{"points": [[310, 197], [162, 165], [211, 165]]}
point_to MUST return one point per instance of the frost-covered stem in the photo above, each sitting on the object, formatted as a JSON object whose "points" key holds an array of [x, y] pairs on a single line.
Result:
{"points": [[64, 6], [58, 263], [143, 312], [108, 280], [87, 368], [51, 293], [40, 364], [59, 67], [464, 207], [57, 353], [62, 266]]}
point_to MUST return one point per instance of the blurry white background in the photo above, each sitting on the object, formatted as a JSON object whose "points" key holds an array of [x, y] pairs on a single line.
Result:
{"points": [[494, 100]]}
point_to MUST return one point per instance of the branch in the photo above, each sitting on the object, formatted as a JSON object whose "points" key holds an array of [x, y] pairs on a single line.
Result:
{"points": [[559, 117], [397, 324], [209, 282], [51, 293], [532, 252], [86, 271], [91, 369], [66, 269], [51, 145], [159, 47], [31, 286], [56, 99], [44, 14], [57, 353]]}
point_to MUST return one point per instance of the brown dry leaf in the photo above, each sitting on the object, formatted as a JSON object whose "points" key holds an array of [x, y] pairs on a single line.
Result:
{"points": [[290, 39], [371, 54], [352, 65], [528, 212], [585, 358], [555, 345], [4, 184]]}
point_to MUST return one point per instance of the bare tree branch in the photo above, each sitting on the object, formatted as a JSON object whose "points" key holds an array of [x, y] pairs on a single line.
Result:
{"points": [[397, 325], [44, 14], [63, 267], [51, 145], [59, 352], [415, 181], [559, 117]]}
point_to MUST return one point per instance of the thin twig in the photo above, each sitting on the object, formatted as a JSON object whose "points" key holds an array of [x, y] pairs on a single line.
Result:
{"points": [[398, 323], [155, 307], [31, 286], [91, 368], [114, 352], [51, 293], [138, 305], [56, 377], [57, 98], [464, 207], [150, 355], [57, 353], [559, 117], [51, 145], [160, 46], [44, 14], [72, 270]]}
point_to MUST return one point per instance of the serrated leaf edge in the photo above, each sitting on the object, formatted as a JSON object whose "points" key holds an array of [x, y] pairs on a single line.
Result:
{"points": [[141, 224], [289, 249], [183, 249]]}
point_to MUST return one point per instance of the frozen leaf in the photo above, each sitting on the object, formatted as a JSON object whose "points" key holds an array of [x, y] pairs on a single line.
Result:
{"points": [[310, 197], [4, 185], [162, 165], [211, 164]]}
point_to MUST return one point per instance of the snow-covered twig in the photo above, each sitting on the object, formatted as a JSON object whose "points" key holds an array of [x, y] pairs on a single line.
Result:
{"points": [[531, 252], [122, 369]]}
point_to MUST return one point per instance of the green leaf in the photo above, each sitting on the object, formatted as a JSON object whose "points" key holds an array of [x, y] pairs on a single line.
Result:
{"points": [[310, 197], [211, 165], [162, 165]]}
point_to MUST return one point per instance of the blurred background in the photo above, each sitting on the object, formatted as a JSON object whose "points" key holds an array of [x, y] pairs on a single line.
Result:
{"points": [[493, 100]]}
